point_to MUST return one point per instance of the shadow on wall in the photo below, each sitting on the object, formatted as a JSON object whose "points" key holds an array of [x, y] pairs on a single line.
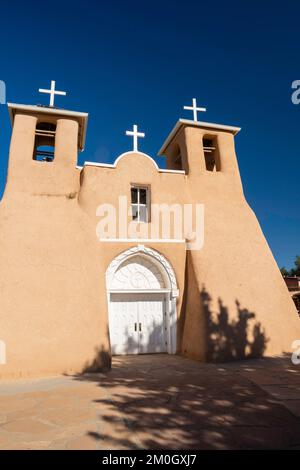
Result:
{"points": [[225, 337], [100, 363], [152, 342], [231, 339]]}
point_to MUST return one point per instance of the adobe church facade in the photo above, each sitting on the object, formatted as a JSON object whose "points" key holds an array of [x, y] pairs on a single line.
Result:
{"points": [[70, 299]]}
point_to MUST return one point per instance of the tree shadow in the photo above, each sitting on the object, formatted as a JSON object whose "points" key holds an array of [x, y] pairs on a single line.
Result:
{"points": [[171, 402], [161, 401], [100, 363], [229, 339], [155, 344], [225, 337]]}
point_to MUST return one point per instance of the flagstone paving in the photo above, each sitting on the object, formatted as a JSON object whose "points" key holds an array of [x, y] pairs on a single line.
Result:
{"points": [[157, 402]]}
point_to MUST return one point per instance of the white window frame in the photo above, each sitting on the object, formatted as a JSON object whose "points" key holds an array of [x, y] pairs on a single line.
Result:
{"points": [[137, 204]]}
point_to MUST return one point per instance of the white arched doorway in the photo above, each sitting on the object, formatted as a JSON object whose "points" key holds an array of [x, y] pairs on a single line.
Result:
{"points": [[142, 292]]}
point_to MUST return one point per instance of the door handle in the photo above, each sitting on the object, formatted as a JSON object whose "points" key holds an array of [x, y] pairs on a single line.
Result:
{"points": [[135, 327], [140, 326]]}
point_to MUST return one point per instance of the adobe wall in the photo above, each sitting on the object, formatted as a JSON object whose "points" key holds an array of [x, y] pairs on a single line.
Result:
{"points": [[104, 185], [54, 312], [237, 302], [53, 315]]}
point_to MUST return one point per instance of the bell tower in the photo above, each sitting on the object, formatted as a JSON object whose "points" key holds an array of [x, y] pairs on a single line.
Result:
{"points": [[44, 148], [223, 276], [47, 244], [202, 150]]}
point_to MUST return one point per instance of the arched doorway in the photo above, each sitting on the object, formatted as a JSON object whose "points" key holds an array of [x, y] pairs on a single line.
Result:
{"points": [[142, 292]]}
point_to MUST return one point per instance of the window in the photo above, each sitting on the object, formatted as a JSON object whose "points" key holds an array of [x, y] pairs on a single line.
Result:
{"points": [[44, 142], [140, 203], [211, 154]]}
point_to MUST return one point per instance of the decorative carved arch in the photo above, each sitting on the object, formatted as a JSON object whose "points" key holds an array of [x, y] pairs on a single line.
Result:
{"points": [[149, 253]]}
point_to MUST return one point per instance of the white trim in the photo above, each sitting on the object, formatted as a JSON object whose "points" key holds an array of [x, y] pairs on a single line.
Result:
{"points": [[46, 109], [178, 172], [143, 240], [105, 165], [114, 165], [148, 252], [136, 153], [139, 291], [203, 125]]}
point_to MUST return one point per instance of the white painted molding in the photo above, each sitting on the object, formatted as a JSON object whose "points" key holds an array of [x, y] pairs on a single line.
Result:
{"points": [[114, 165], [136, 153], [143, 240], [178, 172], [104, 165], [139, 291]]}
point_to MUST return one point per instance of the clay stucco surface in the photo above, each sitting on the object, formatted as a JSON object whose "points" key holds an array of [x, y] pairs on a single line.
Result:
{"points": [[232, 300]]}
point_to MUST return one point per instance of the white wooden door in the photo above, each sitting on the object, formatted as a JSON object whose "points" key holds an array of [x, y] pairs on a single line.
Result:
{"points": [[152, 332], [137, 323], [123, 328]]}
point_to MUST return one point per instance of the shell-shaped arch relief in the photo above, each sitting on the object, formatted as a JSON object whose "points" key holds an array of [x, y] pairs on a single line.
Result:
{"points": [[137, 272]]}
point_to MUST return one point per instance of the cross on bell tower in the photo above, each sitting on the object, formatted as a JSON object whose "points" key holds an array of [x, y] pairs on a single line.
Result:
{"points": [[52, 92], [195, 109]]}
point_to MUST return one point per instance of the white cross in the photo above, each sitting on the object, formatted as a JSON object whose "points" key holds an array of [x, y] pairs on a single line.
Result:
{"points": [[194, 109], [52, 92], [135, 134]]}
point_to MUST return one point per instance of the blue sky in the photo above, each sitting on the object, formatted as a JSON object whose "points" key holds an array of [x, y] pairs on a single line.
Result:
{"points": [[129, 62]]}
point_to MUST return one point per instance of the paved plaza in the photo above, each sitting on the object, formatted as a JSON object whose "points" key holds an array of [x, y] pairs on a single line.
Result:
{"points": [[157, 402]]}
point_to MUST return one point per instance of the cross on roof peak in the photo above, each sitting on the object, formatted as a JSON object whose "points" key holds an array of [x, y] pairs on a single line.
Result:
{"points": [[194, 109], [52, 92], [135, 134]]}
